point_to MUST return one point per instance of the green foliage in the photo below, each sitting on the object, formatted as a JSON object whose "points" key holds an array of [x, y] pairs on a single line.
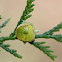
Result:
{"points": [[49, 34], [4, 24], [27, 11], [55, 29], [56, 37], [0, 17], [44, 49], [5, 47], [2, 39], [0, 31], [26, 14]]}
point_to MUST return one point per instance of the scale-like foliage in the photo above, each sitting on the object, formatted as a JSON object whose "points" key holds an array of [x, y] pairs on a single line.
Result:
{"points": [[4, 24], [5, 47], [26, 14], [45, 49], [28, 9], [0, 17], [49, 34]]}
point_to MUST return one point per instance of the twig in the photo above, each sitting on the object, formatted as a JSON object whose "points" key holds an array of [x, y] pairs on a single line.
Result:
{"points": [[10, 50], [44, 49], [28, 9], [2, 39], [4, 24]]}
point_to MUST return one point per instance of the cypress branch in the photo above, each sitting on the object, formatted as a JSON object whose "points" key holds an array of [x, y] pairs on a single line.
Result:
{"points": [[5, 47], [49, 34], [2, 39], [44, 49], [0, 31], [4, 24], [0, 17], [28, 17], [56, 37], [55, 29], [28, 9]]}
